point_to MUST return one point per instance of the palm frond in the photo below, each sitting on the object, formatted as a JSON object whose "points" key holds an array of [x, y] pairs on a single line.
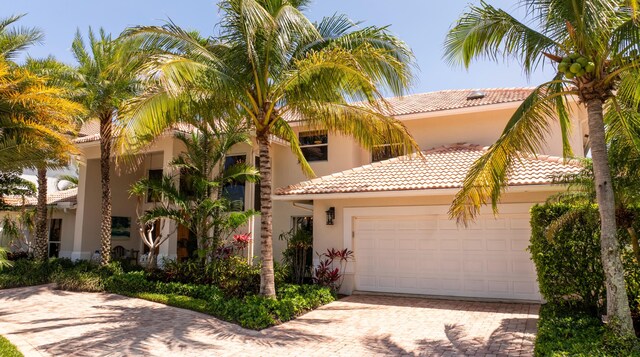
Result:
{"points": [[524, 134]]}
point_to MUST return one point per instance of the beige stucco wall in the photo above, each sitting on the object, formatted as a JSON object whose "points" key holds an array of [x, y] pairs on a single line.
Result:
{"points": [[68, 217], [484, 127]]}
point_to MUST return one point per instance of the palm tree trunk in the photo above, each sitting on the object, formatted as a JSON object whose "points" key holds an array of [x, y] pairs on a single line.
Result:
{"points": [[105, 178], [617, 302], [41, 216], [267, 283]]}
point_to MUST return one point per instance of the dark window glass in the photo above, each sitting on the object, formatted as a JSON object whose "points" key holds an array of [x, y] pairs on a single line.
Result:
{"points": [[55, 236], [314, 145], [303, 223], [234, 192], [256, 190], [186, 183], [154, 176]]}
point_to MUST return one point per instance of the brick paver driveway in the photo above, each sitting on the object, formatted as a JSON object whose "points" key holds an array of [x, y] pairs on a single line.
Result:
{"points": [[43, 322]]}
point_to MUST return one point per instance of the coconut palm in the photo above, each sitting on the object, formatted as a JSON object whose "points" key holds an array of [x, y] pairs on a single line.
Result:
{"points": [[270, 64], [593, 44], [54, 75], [105, 81]]}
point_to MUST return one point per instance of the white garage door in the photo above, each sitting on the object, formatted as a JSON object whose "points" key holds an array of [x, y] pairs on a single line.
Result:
{"points": [[430, 254]]}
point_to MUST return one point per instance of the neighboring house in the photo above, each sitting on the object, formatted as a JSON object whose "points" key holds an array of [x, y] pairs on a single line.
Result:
{"points": [[392, 212], [61, 218]]}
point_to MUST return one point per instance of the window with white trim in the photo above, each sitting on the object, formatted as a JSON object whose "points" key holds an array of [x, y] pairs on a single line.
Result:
{"points": [[314, 145]]}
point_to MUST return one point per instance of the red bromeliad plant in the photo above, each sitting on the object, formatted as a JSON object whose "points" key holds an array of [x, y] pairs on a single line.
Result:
{"points": [[327, 273]]}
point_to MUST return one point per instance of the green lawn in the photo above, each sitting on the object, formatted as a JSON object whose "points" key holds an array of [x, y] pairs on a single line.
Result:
{"points": [[7, 349]]}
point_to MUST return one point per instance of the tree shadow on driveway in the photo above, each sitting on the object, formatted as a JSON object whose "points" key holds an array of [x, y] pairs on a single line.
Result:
{"points": [[105, 324], [512, 337]]}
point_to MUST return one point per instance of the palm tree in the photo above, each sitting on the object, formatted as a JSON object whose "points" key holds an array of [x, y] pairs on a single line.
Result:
{"points": [[270, 63], [196, 200], [602, 38], [106, 80], [14, 40], [55, 76]]}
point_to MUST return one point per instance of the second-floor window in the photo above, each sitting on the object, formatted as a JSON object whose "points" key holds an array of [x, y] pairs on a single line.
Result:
{"points": [[314, 145], [155, 176], [234, 191]]}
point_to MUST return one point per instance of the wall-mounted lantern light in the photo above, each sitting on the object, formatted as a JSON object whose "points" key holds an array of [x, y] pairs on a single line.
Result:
{"points": [[331, 215]]}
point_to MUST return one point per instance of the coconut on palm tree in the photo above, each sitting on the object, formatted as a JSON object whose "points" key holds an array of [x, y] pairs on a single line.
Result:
{"points": [[593, 44], [270, 63], [105, 81]]}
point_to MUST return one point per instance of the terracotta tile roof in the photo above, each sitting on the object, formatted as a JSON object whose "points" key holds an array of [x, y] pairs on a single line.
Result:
{"points": [[443, 167], [454, 99], [70, 196]]}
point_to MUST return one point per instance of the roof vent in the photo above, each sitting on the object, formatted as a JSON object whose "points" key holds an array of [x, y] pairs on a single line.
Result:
{"points": [[477, 94]]}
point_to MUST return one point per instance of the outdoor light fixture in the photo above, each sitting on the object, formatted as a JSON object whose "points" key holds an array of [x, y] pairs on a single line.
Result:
{"points": [[331, 215]]}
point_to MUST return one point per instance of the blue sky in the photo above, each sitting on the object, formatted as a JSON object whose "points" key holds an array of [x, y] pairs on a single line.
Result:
{"points": [[421, 23]]}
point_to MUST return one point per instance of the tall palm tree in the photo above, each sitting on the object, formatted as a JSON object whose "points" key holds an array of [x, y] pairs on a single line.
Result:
{"points": [[594, 46], [58, 76], [13, 40], [106, 81], [270, 63]]}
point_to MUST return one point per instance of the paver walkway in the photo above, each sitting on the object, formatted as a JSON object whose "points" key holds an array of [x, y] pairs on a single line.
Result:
{"points": [[43, 322]]}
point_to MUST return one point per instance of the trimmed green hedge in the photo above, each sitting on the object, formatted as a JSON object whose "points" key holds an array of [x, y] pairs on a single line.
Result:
{"points": [[569, 267]]}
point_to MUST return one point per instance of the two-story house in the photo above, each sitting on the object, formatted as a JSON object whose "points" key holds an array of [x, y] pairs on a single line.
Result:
{"points": [[392, 212]]}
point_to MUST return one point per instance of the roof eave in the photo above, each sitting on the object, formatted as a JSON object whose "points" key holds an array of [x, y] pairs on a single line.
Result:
{"points": [[552, 188]]}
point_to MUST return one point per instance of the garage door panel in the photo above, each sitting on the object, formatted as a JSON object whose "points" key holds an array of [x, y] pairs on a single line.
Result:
{"points": [[496, 223], [432, 255], [477, 285], [450, 244], [474, 265], [498, 265], [473, 244], [496, 245]]}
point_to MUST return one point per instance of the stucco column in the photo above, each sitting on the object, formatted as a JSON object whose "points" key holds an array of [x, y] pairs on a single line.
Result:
{"points": [[77, 252], [169, 248]]}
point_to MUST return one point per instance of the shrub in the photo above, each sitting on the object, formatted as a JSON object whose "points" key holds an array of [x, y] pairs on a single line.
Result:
{"points": [[569, 267], [7, 349], [297, 257], [564, 330], [77, 280], [330, 271], [250, 311], [233, 275]]}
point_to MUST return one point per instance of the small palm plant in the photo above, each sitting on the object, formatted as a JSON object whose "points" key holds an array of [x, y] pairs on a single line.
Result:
{"points": [[195, 198]]}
